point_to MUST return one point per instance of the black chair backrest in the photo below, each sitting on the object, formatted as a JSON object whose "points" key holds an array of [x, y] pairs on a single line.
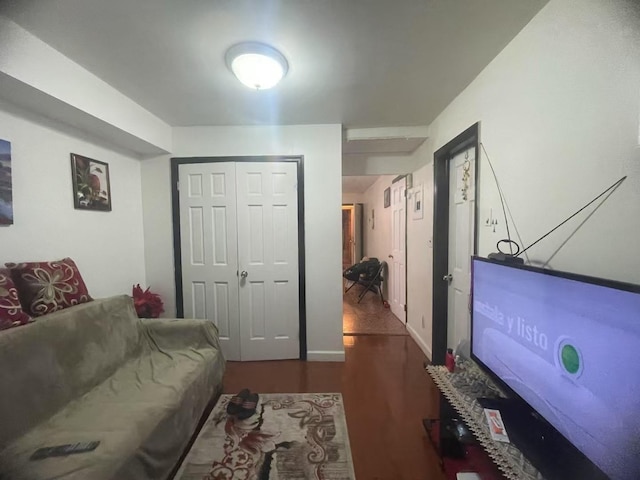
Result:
{"points": [[368, 269], [372, 268]]}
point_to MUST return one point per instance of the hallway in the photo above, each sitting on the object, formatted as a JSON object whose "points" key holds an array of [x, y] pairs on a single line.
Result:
{"points": [[386, 391], [386, 394], [369, 317]]}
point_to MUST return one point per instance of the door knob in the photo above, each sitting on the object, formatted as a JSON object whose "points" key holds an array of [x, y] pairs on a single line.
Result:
{"points": [[448, 278], [244, 274], [390, 256]]}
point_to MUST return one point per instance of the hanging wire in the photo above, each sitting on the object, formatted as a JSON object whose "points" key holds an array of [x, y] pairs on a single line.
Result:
{"points": [[505, 208], [612, 188]]}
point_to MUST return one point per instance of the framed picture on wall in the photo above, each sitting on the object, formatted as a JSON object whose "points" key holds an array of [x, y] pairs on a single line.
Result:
{"points": [[387, 197], [6, 192], [417, 202], [91, 188]]}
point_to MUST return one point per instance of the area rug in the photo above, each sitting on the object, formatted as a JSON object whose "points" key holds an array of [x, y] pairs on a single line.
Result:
{"points": [[290, 437]]}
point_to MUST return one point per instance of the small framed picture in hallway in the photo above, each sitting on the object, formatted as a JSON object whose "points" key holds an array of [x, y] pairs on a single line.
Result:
{"points": [[417, 202], [387, 197]]}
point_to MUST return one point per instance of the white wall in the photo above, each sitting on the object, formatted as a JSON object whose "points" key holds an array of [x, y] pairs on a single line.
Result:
{"points": [[45, 71], [559, 109], [420, 257], [158, 230], [377, 234], [352, 198], [321, 146], [108, 247], [377, 240], [360, 164]]}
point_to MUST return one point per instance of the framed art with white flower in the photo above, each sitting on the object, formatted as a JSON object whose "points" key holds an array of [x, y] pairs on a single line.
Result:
{"points": [[91, 188]]}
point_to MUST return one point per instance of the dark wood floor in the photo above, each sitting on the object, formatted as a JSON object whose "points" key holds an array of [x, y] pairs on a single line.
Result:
{"points": [[386, 393]]}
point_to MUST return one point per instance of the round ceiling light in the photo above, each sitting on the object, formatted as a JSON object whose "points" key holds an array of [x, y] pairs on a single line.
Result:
{"points": [[256, 65]]}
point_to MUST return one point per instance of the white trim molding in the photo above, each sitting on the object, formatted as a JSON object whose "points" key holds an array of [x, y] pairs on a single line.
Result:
{"points": [[325, 356], [423, 346]]}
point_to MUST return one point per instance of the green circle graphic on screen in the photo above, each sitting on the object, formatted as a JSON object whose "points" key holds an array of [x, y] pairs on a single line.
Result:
{"points": [[570, 358]]}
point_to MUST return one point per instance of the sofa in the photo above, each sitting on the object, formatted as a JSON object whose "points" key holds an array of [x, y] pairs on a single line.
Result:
{"points": [[95, 371]]}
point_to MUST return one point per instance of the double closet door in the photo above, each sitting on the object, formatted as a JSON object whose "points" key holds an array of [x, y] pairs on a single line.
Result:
{"points": [[239, 252]]}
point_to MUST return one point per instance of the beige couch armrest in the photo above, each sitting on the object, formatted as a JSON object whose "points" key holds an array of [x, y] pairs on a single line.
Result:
{"points": [[181, 333]]}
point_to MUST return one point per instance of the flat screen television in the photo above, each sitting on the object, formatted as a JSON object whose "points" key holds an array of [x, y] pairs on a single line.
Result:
{"points": [[566, 350]]}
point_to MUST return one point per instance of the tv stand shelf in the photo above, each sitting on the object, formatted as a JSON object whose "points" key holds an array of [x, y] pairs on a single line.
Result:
{"points": [[461, 390]]}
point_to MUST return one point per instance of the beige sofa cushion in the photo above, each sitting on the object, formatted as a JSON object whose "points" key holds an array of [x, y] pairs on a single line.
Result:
{"points": [[48, 363], [143, 415], [97, 372]]}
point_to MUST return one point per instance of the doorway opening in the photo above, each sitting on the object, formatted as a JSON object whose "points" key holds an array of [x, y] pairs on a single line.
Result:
{"points": [[351, 234], [368, 210], [450, 163]]}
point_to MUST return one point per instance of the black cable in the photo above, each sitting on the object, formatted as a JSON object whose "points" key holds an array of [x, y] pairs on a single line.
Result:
{"points": [[515, 227], [614, 186], [510, 242], [578, 227]]}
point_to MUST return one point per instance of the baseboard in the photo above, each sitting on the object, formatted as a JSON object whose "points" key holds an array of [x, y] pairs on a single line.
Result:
{"points": [[325, 356], [423, 346]]}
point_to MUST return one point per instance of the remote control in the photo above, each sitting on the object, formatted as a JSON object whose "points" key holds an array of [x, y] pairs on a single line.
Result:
{"points": [[63, 450]]}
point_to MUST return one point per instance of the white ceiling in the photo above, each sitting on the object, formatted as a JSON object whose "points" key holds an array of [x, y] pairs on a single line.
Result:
{"points": [[357, 62], [358, 184], [380, 146]]}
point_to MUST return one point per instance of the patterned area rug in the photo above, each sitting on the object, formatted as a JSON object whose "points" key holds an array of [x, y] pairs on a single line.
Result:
{"points": [[290, 437]]}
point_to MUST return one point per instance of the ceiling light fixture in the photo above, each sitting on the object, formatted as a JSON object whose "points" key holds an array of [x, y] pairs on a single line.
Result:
{"points": [[256, 65]]}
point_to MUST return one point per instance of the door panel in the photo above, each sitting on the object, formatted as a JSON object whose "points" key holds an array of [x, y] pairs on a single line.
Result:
{"points": [[397, 287], [254, 292], [220, 247], [221, 298], [267, 212], [209, 248], [461, 234]]}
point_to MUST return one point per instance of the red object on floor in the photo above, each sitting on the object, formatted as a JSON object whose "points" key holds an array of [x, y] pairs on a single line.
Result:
{"points": [[449, 360], [386, 304]]}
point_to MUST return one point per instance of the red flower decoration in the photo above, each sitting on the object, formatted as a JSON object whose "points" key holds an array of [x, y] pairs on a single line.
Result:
{"points": [[147, 303]]}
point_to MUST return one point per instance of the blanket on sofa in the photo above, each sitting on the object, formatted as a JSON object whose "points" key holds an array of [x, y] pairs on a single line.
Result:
{"points": [[97, 372]]}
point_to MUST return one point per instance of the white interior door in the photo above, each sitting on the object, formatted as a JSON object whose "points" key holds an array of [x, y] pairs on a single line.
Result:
{"points": [[239, 252], [268, 260], [397, 267], [209, 248], [461, 234]]}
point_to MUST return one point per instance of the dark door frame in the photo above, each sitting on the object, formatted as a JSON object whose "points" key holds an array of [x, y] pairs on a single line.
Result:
{"points": [[177, 253], [440, 289]]}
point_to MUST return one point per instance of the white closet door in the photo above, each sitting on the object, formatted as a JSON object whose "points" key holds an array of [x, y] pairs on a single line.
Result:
{"points": [[209, 248], [268, 257]]}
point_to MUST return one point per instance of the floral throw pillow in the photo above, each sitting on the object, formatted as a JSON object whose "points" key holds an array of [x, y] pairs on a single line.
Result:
{"points": [[11, 314], [45, 287]]}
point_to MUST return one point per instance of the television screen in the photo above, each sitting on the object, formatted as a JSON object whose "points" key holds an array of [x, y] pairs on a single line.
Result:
{"points": [[569, 346]]}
